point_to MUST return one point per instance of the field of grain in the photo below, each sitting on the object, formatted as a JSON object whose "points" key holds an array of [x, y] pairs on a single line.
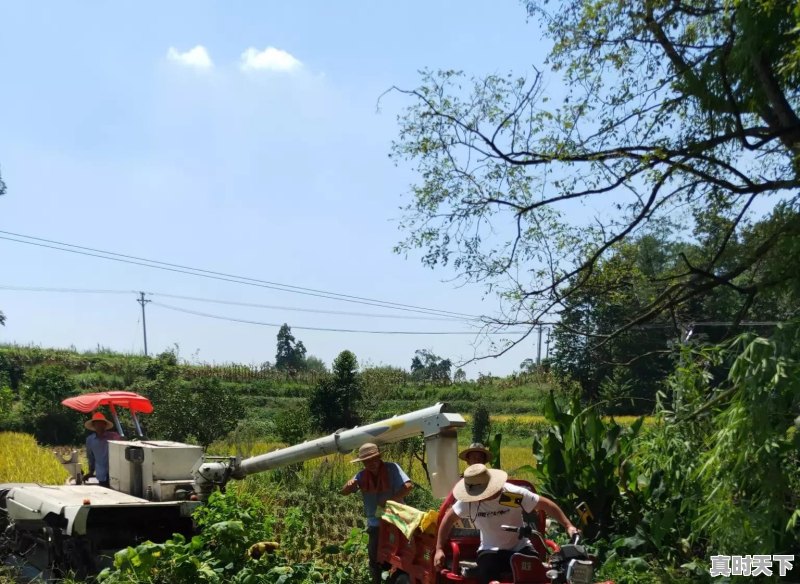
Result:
{"points": [[24, 461]]}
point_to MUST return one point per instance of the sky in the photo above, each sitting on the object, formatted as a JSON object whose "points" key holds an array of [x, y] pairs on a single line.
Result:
{"points": [[239, 138]]}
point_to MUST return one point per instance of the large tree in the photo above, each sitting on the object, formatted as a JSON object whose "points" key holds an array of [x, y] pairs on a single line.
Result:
{"points": [[427, 366], [670, 108], [334, 401], [291, 353]]}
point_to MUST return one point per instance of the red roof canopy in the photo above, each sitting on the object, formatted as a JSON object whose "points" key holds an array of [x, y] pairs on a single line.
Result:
{"points": [[88, 402]]}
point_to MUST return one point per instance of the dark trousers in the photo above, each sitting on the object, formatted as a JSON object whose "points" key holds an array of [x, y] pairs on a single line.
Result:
{"points": [[491, 564], [372, 549]]}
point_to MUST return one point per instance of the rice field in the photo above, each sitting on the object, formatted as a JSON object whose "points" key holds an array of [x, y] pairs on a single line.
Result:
{"points": [[22, 460], [535, 420]]}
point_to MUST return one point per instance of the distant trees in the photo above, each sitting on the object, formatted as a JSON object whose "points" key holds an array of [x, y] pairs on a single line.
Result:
{"points": [[426, 366], [314, 364], [42, 412], [291, 355], [610, 364], [334, 402], [204, 410]]}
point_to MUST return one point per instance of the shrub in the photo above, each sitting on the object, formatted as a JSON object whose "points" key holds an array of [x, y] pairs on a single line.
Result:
{"points": [[42, 412], [335, 400]]}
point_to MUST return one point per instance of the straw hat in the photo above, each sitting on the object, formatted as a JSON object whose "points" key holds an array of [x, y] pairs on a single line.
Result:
{"points": [[475, 447], [97, 417], [367, 451], [479, 483]]}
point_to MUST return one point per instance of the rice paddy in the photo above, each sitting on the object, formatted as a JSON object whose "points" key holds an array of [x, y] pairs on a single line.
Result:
{"points": [[22, 460]]}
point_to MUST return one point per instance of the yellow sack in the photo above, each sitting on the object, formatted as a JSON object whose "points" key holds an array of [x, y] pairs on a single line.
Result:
{"points": [[407, 519]]}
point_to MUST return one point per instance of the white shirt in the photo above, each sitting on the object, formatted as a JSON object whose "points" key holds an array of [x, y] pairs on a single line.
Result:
{"points": [[506, 509]]}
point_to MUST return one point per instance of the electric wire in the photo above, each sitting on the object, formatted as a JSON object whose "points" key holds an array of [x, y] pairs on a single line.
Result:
{"points": [[167, 266], [227, 302], [331, 330], [66, 290]]}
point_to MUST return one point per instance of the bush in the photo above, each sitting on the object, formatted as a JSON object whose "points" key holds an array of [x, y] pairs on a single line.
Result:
{"points": [[335, 400], [292, 425], [42, 412], [204, 409], [481, 426]]}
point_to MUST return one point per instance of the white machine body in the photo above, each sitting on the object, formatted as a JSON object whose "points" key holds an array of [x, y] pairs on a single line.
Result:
{"points": [[156, 470]]}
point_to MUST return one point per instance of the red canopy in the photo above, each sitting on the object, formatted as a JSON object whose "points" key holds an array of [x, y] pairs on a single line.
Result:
{"points": [[88, 402]]}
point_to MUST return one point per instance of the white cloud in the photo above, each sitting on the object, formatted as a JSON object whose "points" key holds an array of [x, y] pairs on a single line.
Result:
{"points": [[196, 58], [270, 59]]}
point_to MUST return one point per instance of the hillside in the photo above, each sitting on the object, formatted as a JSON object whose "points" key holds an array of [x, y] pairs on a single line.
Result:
{"points": [[265, 392]]}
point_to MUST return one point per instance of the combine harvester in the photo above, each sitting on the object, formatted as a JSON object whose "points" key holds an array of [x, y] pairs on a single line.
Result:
{"points": [[51, 530]]}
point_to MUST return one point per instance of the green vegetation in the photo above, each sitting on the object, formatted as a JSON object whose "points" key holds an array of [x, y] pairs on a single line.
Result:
{"points": [[334, 402], [236, 544], [262, 402], [717, 471]]}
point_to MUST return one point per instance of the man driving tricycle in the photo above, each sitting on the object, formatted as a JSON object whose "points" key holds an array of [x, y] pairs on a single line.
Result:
{"points": [[509, 517]]}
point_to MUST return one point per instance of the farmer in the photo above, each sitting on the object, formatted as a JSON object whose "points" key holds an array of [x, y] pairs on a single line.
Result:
{"points": [[97, 447], [488, 501], [378, 482], [477, 453]]}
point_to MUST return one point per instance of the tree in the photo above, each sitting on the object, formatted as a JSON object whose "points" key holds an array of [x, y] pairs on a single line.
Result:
{"points": [[42, 413], [426, 366], [291, 354], [619, 288], [670, 109], [334, 402], [314, 364], [204, 410], [481, 425]]}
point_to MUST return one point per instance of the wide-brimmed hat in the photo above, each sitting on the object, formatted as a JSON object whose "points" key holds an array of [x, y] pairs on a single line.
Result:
{"points": [[475, 447], [97, 417], [367, 451], [479, 483]]}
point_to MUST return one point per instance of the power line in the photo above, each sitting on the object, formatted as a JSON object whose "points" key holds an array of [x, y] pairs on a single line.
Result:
{"points": [[227, 302], [178, 268], [331, 330], [298, 309], [66, 290]]}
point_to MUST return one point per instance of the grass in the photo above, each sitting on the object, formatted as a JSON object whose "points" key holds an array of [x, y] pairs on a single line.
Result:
{"points": [[24, 461]]}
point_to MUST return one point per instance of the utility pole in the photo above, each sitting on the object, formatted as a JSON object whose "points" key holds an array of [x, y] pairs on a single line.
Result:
{"points": [[142, 301], [547, 344], [539, 348]]}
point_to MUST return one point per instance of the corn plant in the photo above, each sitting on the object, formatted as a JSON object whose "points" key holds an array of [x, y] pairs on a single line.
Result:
{"points": [[582, 458]]}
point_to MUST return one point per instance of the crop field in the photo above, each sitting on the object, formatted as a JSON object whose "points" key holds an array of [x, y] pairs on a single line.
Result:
{"points": [[24, 461]]}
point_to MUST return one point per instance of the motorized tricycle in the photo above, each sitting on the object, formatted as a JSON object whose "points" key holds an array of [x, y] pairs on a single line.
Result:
{"points": [[410, 561]]}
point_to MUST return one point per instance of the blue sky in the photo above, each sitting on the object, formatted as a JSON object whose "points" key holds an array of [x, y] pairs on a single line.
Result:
{"points": [[237, 137]]}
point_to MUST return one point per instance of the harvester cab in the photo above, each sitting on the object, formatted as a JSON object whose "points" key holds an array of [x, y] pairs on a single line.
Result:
{"points": [[156, 470]]}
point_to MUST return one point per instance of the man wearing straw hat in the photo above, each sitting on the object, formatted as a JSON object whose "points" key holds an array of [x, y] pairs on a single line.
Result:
{"points": [[97, 446], [477, 453], [378, 482], [488, 501]]}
